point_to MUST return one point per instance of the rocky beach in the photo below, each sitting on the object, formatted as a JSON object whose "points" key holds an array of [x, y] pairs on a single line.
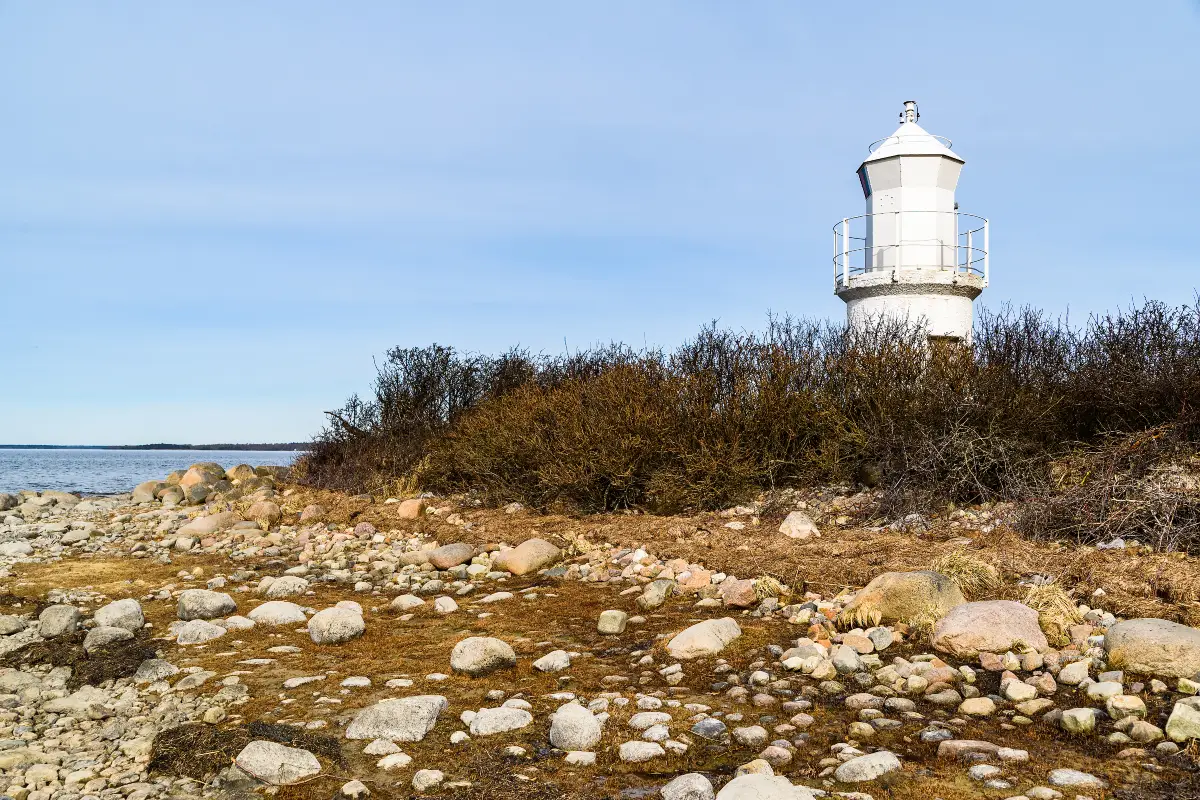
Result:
{"points": [[221, 632]]}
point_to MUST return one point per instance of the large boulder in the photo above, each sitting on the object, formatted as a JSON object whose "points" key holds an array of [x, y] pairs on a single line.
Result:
{"points": [[451, 555], [204, 604], [198, 631], [125, 614], [574, 727], [277, 612], [705, 638], [336, 625], [277, 764], [529, 556], [145, 492], [57, 621], [101, 637], [1154, 647], [204, 526], [241, 472], [285, 586], [991, 626], [203, 473], [481, 655], [909, 597], [759, 786], [867, 768], [490, 721], [265, 513], [407, 719]]}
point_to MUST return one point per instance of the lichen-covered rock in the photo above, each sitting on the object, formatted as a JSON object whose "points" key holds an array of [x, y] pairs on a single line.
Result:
{"points": [[277, 764], [1156, 647], [125, 614], [481, 655], [574, 727], [336, 625], [406, 719], [908, 597], [204, 604]]}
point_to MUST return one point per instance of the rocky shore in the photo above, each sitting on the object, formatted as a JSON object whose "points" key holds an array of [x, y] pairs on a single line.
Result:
{"points": [[215, 633]]}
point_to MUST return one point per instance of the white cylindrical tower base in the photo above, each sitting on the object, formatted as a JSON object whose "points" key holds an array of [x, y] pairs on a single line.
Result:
{"points": [[943, 304]]}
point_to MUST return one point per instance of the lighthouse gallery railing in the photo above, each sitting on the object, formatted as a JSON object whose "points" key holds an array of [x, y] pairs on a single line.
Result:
{"points": [[962, 255]]}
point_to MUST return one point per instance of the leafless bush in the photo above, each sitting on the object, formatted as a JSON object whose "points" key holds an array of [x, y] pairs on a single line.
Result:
{"points": [[731, 413]]}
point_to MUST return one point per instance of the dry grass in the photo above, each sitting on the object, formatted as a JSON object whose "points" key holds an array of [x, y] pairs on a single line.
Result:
{"points": [[1056, 610], [975, 578]]}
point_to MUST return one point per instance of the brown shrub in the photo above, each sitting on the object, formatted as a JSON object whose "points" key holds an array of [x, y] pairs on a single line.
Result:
{"points": [[729, 414]]}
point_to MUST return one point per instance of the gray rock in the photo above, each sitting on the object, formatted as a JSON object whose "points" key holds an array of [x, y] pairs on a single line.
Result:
{"points": [[1075, 779], [1154, 647], [993, 626], [573, 727], [1079, 721], [710, 728], [277, 764], [198, 631], [204, 604], [753, 736], [798, 525], [704, 638], [760, 786], [10, 624], [407, 602], [125, 614], [58, 621], [154, 669], [100, 637], [286, 586], [406, 719], [481, 655], [612, 622], [690, 786], [451, 555], [554, 661], [637, 752], [426, 779], [656, 593], [277, 612], [1184, 722], [15, 549], [490, 721], [867, 768], [336, 625]]}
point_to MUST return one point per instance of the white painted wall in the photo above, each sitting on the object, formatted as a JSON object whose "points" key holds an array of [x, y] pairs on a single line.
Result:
{"points": [[912, 236], [943, 315]]}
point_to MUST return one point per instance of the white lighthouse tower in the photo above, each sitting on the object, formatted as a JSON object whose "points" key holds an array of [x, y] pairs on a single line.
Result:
{"points": [[913, 255]]}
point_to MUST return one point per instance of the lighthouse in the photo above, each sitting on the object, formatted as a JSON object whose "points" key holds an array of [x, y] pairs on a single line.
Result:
{"points": [[913, 256]]}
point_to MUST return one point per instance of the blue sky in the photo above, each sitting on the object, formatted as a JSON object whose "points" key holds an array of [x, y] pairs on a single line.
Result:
{"points": [[214, 215]]}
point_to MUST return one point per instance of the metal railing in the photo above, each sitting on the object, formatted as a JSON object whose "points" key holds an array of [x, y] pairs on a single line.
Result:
{"points": [[956, 250]]}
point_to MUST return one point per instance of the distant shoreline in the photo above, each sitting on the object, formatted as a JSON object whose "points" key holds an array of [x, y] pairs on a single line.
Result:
{"points": [[276, 446]]}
